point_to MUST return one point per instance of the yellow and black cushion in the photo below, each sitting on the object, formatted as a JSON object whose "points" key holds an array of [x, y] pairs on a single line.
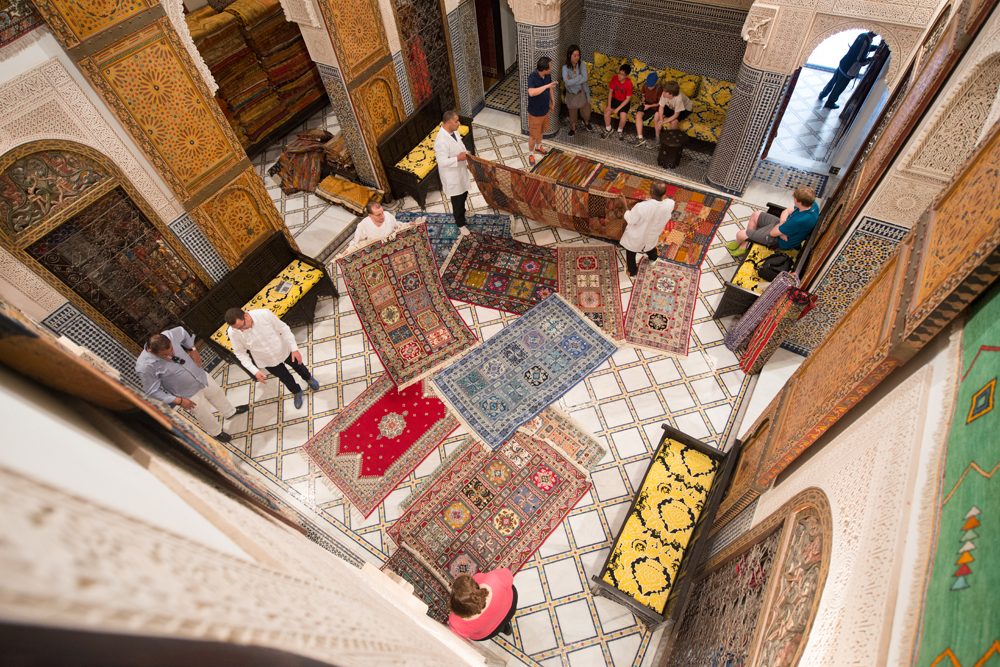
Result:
{"points": [[420, 161], [747, 277]]}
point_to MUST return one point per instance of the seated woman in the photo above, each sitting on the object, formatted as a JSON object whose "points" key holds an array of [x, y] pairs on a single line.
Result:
{"points": [[482, 605]]}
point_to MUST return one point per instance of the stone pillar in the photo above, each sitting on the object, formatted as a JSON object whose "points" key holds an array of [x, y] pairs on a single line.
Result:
{"points": [[464, 31], [537, 36], [139, 65]]}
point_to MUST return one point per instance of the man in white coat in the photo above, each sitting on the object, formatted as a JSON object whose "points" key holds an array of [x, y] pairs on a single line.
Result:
{"points": [[644, 224], [449, 151]]}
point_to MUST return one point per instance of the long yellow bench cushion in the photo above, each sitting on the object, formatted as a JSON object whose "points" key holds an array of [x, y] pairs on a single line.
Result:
{"points": [[746, 276], [420, 160], [647, 555], [352, 196], [704, 123], [275, 297]]}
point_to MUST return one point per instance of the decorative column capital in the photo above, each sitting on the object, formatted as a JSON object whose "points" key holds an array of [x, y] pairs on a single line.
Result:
{"points": [[535, 12]]}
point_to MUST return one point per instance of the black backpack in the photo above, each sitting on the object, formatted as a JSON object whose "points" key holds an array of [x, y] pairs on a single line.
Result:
{"points": [[773, 265]]}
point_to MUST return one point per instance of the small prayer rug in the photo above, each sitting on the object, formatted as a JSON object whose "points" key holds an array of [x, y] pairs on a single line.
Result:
{"points": [[443, 231], [398, 296], [661, 309], [693, 224], [490, 509], [776, 325], [648, 552], [520, 371], [567, 168], [563, 432], [426, 584], [588, 279], [500, 273], [375, 442]]}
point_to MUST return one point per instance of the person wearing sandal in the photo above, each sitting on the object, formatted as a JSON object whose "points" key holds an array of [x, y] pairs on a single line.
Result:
{"points": [[541, 102], [785, 232], [483, 605]]}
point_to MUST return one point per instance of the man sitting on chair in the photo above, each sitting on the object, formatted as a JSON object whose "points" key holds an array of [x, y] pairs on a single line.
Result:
{"points": [[785, 232]]}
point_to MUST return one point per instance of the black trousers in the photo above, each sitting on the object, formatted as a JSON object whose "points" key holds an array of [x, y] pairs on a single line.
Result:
{"points": [[282, 373], [458, 208], [504, 626], [630, 263], [834, 87]]}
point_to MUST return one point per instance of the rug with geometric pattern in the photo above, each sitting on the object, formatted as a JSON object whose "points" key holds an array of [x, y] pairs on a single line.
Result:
{"points": [[370, 446], [500, 273], [661, 307], [487, 509], [443, 231], [523, 369], [588, 279]]}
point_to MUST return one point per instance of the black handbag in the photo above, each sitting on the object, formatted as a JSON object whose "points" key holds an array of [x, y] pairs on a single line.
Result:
{"points": [[773, 265]]}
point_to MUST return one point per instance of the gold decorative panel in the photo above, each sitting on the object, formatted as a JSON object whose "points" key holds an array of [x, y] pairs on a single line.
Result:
{"points": [[381, 101], [149, 82], [74, 21], [358, 34]]}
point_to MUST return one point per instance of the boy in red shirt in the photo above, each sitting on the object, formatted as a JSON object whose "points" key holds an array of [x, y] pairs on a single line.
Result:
{"points": [[619, 99]]}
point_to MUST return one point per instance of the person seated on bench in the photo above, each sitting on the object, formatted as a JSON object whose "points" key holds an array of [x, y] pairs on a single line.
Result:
{"points": [[378, 225], [784, 233], [483, 604]]}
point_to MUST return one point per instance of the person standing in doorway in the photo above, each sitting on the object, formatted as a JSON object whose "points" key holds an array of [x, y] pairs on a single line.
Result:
{"points": [[450, 153], [170, 370], [541, 102], [849, 68], [577, 98], [260, 334], [644, 223]]}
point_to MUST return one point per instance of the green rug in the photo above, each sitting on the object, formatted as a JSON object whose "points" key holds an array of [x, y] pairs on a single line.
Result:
{"points": [[962, 600]]}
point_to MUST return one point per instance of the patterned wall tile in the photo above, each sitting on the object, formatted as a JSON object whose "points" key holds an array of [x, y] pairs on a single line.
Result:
{"points": [[336, 89], [570, 26], [533, 42], [748, 118], [68, 321], [471, 93], [664, 33], [859, 259], [189, 234], [403, 79]]}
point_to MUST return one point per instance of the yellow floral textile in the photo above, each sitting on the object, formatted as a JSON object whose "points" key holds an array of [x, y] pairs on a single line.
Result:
{"points": [[704, 123], [350, 195], [716, 92], [647, 555], [599, 74], [688, 82], [273, 296], [420, 160], [746, 277]]}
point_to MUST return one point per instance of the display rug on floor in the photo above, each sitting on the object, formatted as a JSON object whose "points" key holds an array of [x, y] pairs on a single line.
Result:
{"points": [[398, 296], [648, 552], [563, 432], [489, 509], [661, 307], [370, 446], [588, 279], [443, 231], [525, 367], [426, 584], [777, 324], [500, 273]]}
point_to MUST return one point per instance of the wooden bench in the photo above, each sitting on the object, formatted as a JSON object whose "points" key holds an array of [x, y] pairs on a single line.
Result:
{"points": [[272, 276], [406, 140], [660, 595], [746, 285]]}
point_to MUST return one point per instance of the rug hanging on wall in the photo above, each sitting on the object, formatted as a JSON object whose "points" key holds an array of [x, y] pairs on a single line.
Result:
{"points": [[443, 231], [403, 308], [19, 18], [568, 168], [426, 585], [500, 273], [648, 552], [520, 371], [488, 509], [773, 329], [564, 433], [588, 279], [693, 224], [661, 308], [375, 442]]}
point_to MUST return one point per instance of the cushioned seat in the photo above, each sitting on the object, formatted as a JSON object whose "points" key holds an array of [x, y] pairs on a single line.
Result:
{"points": [[746, 276], [704, 123], [279, 295], [420, 161], [352, 196]]}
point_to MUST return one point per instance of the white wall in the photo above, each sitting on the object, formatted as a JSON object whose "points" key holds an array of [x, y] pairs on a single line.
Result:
{"points": [[508, 28]]}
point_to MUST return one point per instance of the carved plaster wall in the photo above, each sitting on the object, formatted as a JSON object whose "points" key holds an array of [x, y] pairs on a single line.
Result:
{"points": [[30, 293], [175, 12], [47, 103]]}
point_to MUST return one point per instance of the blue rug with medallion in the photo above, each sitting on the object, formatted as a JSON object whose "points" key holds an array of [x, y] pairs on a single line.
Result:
{"points": [[510, 378], [443, 231]]}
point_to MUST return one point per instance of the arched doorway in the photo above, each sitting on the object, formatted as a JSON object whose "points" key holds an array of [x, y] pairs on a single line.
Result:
{"points": [[816, 134], [69, 214]]}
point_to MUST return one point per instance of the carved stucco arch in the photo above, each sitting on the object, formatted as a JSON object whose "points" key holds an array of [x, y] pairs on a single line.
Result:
{"points": [[899, 46], [174, 10]]}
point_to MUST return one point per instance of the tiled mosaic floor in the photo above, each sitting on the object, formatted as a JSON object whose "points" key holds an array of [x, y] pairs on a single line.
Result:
{"points": [[806, 132], [506, 95], [790, 177], [623, 403]]}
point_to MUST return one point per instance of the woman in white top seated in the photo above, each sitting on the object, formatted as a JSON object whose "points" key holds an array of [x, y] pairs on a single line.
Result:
{"points": [[377, 226]]}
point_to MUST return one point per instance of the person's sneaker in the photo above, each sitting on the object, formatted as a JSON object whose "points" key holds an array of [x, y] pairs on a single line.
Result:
{"points": [[572, 132], [313, 383], [224, 437], [605, 133], [298, 399], [463, 231], [831, 106], [621, 136], [733, 247], [588, 127], [242, 409], [640, 143]]}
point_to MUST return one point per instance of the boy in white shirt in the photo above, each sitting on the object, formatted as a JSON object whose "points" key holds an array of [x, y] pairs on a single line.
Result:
{"points": [[674, 107], [378, 225], [644, 224], [260, 333]]}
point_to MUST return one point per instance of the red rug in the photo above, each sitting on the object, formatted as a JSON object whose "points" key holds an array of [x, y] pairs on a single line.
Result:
{"points": [[486, 509], [377, 440]]}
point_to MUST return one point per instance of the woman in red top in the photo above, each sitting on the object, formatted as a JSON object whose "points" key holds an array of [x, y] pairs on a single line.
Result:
{"points": [[482, 605]]}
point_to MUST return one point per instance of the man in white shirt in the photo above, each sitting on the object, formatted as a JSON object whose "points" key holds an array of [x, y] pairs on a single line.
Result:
{"points": [[450, 152], [644, 224], [270, 341], [378, 225]]}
